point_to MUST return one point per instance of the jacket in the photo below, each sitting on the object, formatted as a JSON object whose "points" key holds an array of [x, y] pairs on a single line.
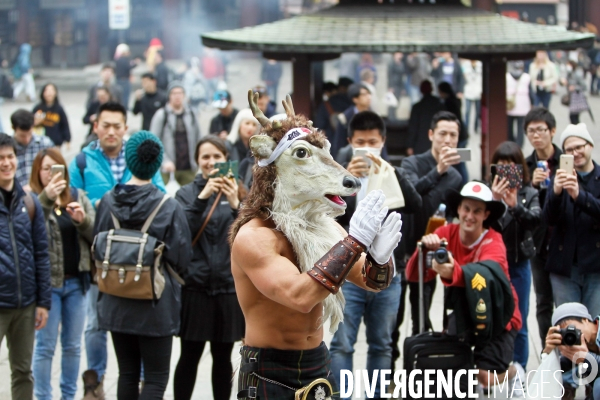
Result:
{"points": [[116, 93], [166, 132], [132, 205], [518, 89], [488, 299], [85, 231], [540, 234], [575, 238], [97, 176], [221, 123], [148, 105], [518, 223], [550, 75], [210, 269], [419, 123], [56, 124], [340, 137], [489, 247], [24, 262], [421, 171], [458, 78]]}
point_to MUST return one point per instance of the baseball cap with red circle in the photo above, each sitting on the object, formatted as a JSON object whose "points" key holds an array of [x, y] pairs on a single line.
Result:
{"points": [[476, 190]]}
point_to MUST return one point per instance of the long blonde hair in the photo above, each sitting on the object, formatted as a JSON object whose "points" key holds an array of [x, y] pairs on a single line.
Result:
{"points": [[243, 115]]}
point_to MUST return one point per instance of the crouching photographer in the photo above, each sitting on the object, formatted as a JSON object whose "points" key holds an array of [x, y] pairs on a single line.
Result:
{"points": [[475, 261], [575, 334]]}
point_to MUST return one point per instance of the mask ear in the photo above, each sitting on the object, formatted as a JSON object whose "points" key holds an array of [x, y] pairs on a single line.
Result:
{"points": [[262, 146], [327, 146]]}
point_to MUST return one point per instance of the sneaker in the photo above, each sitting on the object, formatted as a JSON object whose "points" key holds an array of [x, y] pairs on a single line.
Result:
{"points": [[92, 388], [521, 381]]}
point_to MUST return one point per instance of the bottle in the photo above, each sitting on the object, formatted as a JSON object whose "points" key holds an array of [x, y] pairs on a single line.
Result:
{"points": [[438, 219], [546, 182]]}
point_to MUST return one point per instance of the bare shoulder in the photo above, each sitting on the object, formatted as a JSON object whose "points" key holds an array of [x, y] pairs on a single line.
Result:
{"points": [[256, 240]]}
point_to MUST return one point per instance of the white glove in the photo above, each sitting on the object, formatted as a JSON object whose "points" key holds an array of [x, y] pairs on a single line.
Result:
{"points": [[387, 239], [367, 218]]}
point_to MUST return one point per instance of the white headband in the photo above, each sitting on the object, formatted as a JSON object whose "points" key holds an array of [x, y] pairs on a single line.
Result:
{"points": [[286, 141]]}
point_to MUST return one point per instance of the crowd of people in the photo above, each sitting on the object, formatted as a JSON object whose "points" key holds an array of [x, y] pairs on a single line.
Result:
{"points": [[543, 230]]}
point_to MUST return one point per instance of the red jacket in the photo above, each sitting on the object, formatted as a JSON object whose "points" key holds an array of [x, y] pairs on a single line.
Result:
{"points": [[489, 247]]}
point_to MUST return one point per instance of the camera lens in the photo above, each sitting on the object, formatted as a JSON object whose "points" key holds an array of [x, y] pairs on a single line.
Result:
{"points": [[570, 338], [441, 255]]}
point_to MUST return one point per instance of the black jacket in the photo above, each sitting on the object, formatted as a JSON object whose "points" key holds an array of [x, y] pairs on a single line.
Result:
{"points": [[163, 76], [56, 124], [489, 306], [458, 78], [421, 171], [24, 260], [518, 223], [412, 204], [420, 122], [132, 205], [340, 137], [148, 105], [541, 235], [221, 123], [575, 238], [210, 269]]}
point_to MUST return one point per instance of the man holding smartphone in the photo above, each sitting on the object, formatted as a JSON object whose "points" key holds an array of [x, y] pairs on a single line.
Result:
{"points": [[540, 128], [572, 209], [432, 175]]}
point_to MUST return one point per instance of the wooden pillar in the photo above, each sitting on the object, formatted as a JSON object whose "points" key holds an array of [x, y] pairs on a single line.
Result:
{"points": [[170, 34], [22, 23], [494, 124], [317, 68], [301, 70], [593, 12], [93, 47]]}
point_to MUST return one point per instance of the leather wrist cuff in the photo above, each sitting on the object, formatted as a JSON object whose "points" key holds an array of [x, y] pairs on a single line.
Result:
{"points": [[377, 276], [333, 268]]}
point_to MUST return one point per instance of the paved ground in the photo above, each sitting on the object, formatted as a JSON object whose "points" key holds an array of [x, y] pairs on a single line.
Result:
{"points": [[242, 74]]}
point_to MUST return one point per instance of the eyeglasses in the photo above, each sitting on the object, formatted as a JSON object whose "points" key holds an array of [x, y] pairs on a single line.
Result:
{"points": [[577, 149], [539, 131]]}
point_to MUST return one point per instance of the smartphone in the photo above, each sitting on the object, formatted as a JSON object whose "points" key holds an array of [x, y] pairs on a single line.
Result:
{"points": [[362, 153], [566, 163], [57, 169], [513, 174], [227, 169], [465, 154]]}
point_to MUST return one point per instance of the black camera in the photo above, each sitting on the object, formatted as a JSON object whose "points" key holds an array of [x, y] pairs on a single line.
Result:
{"points": [[570, 335], [440, 255]]}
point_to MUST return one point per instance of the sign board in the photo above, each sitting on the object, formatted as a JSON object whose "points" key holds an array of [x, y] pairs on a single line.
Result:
{"points": [[118, 14], [60, 4]]}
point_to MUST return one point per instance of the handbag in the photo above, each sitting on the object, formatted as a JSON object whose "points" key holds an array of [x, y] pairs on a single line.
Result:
{"points": [[384, 178], [210, 213], [543, 384], [129, 262], [578, 103], [565, 99], [527, 246]]}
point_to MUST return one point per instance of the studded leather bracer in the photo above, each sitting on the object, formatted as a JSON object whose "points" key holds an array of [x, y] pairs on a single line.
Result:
{"points": [[377, 276], [333, 268]]}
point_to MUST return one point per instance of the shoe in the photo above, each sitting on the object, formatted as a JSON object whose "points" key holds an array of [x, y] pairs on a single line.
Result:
{"points": [[92, 388], [522, 380], [569, 393]]}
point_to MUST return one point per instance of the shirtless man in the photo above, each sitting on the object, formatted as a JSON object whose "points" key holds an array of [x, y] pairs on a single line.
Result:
{"points": [[290, 258]]}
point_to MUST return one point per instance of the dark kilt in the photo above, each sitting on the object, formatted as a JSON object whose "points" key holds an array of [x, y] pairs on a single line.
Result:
{"points": [[293, 368]]}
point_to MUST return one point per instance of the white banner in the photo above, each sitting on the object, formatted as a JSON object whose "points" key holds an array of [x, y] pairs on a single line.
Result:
{"points": [[118, 14]]}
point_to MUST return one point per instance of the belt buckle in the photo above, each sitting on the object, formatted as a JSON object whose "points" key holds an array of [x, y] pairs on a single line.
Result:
{"points": [[252, 392], [252, 360]]}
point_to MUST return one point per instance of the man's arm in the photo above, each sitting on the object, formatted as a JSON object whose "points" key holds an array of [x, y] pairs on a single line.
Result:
{"points": [[552, 209], [41, 257], [412, 199], [587, 203], [424, 183], [257, 252]]}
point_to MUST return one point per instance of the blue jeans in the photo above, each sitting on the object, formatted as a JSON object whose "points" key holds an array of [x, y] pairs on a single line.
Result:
{"points": [[520, 277], [541, 98], [580, 288], [379, 311], [68, 311], [95, 339], [468, 107]]}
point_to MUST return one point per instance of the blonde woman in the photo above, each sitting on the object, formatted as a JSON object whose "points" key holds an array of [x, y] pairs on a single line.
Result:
{"points": [[544, 77]]}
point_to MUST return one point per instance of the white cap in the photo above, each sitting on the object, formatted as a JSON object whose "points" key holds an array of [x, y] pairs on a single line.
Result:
{"points": [[580, 130]]}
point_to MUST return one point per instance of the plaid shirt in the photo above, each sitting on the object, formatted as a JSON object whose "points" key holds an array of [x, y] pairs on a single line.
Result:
{"points": [[26, 154], [117, 164]]}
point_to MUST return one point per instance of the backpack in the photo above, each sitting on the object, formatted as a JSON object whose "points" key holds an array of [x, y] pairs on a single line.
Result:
{"points": [[129, 262], [16, 70]]}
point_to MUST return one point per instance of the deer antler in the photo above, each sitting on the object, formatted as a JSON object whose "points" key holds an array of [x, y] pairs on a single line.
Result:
{"points": [[258, 114], [288, 106]]}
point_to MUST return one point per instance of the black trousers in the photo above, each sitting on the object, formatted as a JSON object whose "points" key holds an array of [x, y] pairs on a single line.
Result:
{"points": [[544, 300], [187, 369], [155, 353]]}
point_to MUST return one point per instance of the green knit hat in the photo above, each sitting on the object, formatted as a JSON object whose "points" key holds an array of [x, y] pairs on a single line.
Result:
{"points": [[143, 154]]}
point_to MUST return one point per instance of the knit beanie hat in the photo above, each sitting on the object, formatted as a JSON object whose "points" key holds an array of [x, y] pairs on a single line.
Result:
{"points": [[579, 130], [143, 154], [173, 85], [573, 310]]}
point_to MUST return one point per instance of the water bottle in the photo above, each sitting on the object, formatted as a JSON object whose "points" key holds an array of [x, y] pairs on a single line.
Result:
{"points": [[546, 182], [441, 211]]}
